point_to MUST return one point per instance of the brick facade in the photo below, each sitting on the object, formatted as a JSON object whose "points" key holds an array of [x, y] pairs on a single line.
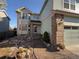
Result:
{"points": [[57, 30]]}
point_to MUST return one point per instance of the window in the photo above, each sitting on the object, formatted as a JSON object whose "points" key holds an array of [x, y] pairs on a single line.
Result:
{"points": [[35, 29], [72, 4], [69, 4], [66, 1], [67, 27], [77, 1], [75, 27], [66, 4], [71, 27], [35, 17], [25, 16], [28, 25]]}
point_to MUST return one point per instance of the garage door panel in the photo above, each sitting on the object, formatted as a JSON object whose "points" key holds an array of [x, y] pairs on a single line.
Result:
{"points": [[71, 37], [71, 30], [71, 19]]}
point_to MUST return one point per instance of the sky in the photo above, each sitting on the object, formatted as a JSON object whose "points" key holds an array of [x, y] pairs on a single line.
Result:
{"points": [[33, 5]]}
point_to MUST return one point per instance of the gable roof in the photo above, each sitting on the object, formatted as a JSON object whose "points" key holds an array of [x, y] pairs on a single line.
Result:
{"points": [[3, 14], [21, 9]]}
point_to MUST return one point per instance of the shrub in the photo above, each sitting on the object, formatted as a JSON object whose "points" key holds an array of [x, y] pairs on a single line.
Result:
{"points": [[15, 31], [46, 37]]}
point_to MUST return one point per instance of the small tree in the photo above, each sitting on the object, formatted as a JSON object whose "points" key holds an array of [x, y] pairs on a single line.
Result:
{"points": [[46, 37]]}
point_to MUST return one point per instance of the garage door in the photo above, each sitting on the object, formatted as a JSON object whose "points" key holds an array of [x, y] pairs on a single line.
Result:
{"points": [[71, 35]]}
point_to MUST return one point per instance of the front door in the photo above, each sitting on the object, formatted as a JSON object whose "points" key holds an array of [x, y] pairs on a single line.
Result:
{"points": [[36, 29]]}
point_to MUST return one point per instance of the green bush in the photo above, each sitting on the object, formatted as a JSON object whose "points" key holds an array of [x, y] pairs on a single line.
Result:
{"points": [[46, 37], [15, 31]]}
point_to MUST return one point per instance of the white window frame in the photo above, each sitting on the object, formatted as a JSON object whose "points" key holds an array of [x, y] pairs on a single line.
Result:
{"points": [[69, 5]]}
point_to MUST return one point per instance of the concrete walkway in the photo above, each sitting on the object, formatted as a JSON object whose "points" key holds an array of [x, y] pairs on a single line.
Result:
{"points": [[42, 53], [74, 49]]}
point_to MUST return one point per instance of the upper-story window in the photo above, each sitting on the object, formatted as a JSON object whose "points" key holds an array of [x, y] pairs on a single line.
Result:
{"points": [[77, 1], [72, 4], [69, 4], [66, 4], [25, 16], [36, 17]]}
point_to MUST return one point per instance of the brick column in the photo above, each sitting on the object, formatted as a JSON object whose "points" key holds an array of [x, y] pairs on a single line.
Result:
{"points": [[57, 31]]}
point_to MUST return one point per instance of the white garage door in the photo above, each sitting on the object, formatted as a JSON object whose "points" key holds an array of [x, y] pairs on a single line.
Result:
{"points": [[71, 31], [71, 35]]}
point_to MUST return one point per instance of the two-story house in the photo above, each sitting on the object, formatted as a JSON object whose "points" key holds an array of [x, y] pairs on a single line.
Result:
{"points": [[27, 22], [60, 18]]}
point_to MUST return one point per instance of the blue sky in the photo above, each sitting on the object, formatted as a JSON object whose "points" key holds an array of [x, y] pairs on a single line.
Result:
{"points": [[33, 5]]}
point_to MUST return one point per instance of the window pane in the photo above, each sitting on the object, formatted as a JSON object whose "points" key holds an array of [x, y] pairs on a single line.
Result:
{"points": [[72, 7], [77, 1], [72, 2], [23, 17], [66, 5], [66, 1], [67, 27], [75, 27]]}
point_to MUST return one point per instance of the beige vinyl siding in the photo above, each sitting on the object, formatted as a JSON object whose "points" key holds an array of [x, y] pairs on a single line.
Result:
{"points": [[46, 17], [47, 10], [46, 25], [58, 4]]}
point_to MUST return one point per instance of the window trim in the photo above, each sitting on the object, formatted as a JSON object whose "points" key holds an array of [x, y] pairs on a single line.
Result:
{"points": [[69, 5], [67, 27], [71, 27], [75, 27]]}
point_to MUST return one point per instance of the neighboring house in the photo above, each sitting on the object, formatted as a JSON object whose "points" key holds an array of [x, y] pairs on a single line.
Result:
{"points": [[27, 22], [60, 18], [4, 21]]}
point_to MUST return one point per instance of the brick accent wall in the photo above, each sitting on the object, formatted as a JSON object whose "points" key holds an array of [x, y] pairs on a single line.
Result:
{"points": [[57, 30]]}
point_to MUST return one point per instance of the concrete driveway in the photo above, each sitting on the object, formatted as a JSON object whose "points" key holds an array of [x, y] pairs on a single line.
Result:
{"points": [[73, 48]]}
